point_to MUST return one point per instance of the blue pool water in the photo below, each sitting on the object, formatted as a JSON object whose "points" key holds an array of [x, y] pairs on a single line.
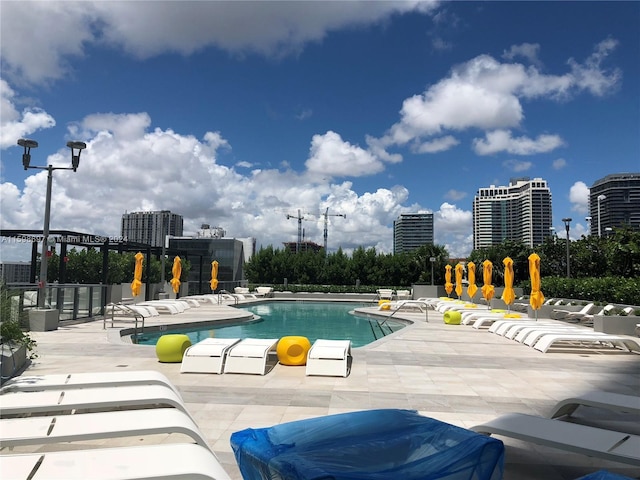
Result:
{"points": [[328, 320]]}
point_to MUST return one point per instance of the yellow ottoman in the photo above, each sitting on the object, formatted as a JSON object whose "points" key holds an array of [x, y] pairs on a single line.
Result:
{"points": [[452, 317], [170, 348], [382, 302], [293, 350]]}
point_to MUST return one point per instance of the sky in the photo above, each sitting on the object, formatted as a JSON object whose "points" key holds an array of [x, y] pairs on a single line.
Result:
{"points": [[257, 116]]}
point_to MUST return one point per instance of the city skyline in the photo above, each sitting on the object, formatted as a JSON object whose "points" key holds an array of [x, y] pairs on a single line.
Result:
{"points": [[242, 114]]}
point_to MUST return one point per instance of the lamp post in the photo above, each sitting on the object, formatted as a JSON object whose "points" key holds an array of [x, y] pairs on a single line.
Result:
{"points": [[164, 241], [567, 224], [76, 149], [432, 260], [600, 198], [588, 220]]}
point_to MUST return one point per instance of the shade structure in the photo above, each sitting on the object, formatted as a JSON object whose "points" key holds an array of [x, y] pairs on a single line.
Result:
{"points": [[537, 298], [136, 285], [488, 290], [176, 270], [448, 286], [214, 275], [459, 272], [508, 295], [471, 276]]}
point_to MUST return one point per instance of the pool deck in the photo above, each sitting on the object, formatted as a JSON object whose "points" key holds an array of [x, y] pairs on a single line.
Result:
{"points": [[453, 373]]}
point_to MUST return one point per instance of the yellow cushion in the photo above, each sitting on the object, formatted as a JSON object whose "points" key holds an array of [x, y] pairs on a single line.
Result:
{"points": [[293, 350], [380, 302], [170, 348], [452, 317]]}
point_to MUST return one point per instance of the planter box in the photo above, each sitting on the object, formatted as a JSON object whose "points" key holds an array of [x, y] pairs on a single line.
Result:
{"points": [[616, 324], [43, 320], [543, 312], [12, 359]]}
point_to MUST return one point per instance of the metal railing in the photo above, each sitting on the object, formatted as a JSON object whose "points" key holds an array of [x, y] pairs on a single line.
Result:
{"points": [[126, 310]]}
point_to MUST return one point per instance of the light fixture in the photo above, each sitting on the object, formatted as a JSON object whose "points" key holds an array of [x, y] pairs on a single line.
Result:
{"points": [[28, 144], [567, 225]]}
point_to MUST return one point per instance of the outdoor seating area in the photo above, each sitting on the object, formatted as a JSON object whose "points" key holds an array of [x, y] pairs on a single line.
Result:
{"points": [[45, 418], [429, 367], [609, 444]]}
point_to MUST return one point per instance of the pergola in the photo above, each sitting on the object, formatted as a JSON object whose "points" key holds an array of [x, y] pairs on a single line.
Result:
{"points": [[86, 240]]}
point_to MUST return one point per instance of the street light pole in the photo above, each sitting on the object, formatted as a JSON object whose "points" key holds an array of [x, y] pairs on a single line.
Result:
{"points": [[600, 198], [26, 159], [567, 222], [433, 260]]}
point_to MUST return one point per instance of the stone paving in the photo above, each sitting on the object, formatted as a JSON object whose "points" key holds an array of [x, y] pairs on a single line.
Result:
{"points": [[453, 373]]}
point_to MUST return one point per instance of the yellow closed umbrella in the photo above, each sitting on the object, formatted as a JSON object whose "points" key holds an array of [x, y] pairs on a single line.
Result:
{"points": [[214, 275], [488, 291], [136, 286], [537, 298], [508, 295], [448, 286], [471, 276], [459, 270], [176, 270]]}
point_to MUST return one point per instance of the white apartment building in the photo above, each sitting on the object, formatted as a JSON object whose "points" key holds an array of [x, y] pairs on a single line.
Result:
{"points": [[151, 227], [520, 211]]}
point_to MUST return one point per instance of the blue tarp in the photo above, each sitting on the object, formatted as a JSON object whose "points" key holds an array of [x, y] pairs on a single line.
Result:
{"points": [[604, 475], [387, 444]]}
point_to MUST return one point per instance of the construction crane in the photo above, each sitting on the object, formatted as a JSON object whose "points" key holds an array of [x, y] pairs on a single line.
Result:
{"points": [[326, 216], [300, 218]]}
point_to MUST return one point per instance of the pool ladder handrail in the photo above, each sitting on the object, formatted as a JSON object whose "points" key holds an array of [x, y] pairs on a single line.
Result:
{"points": [[225, 292], [124, 308]]}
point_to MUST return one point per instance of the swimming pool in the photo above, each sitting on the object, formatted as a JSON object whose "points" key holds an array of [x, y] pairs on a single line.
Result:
{"points": [[328, 320]]}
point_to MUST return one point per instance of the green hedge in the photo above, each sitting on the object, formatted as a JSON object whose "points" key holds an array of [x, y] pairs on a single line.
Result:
{"points": [[603, 290]]}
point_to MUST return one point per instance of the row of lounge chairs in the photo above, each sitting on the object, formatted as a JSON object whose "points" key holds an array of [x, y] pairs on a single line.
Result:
{"points": [[62, 410], [542, 335], [259, 356]]}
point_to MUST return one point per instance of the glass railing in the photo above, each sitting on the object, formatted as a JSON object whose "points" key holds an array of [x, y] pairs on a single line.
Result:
{"points": [[74, 301]]}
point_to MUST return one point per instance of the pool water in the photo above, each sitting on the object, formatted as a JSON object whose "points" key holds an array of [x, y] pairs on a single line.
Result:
{"points": [[314, 320]]}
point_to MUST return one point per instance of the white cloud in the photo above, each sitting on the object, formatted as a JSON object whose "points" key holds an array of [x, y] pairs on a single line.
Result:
{"points": [[15, 124], [559, 163], [517, 165], [437, 145], [502, 141], [486, 94], [148, 29], [526, 50], [452, 226], [330, 155], [579, 197]]}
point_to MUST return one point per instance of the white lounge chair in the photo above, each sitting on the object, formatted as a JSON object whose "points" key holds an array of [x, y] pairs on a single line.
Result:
{"points": [[163, 307], [615, 402], [264, 291], [207, 356], [560, 314], [385, 294], [403, 294], [92, 399], [620, 341], [34, 383], [92, 426], [155, 462], [252, 355], [586, 440], [330, 358]]}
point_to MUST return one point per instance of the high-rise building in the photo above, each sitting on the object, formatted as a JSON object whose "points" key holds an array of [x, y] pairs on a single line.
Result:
{"points": [[614, 201], [411, 231], [151, 227], [519, 212]]}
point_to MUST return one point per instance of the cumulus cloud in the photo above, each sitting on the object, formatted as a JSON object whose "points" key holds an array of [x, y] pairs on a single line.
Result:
{"points": [[147, 29], [455, 195], [485, 94], [502, 141], [331, 155], [579, 197], [437, 145], [19, 124]]}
